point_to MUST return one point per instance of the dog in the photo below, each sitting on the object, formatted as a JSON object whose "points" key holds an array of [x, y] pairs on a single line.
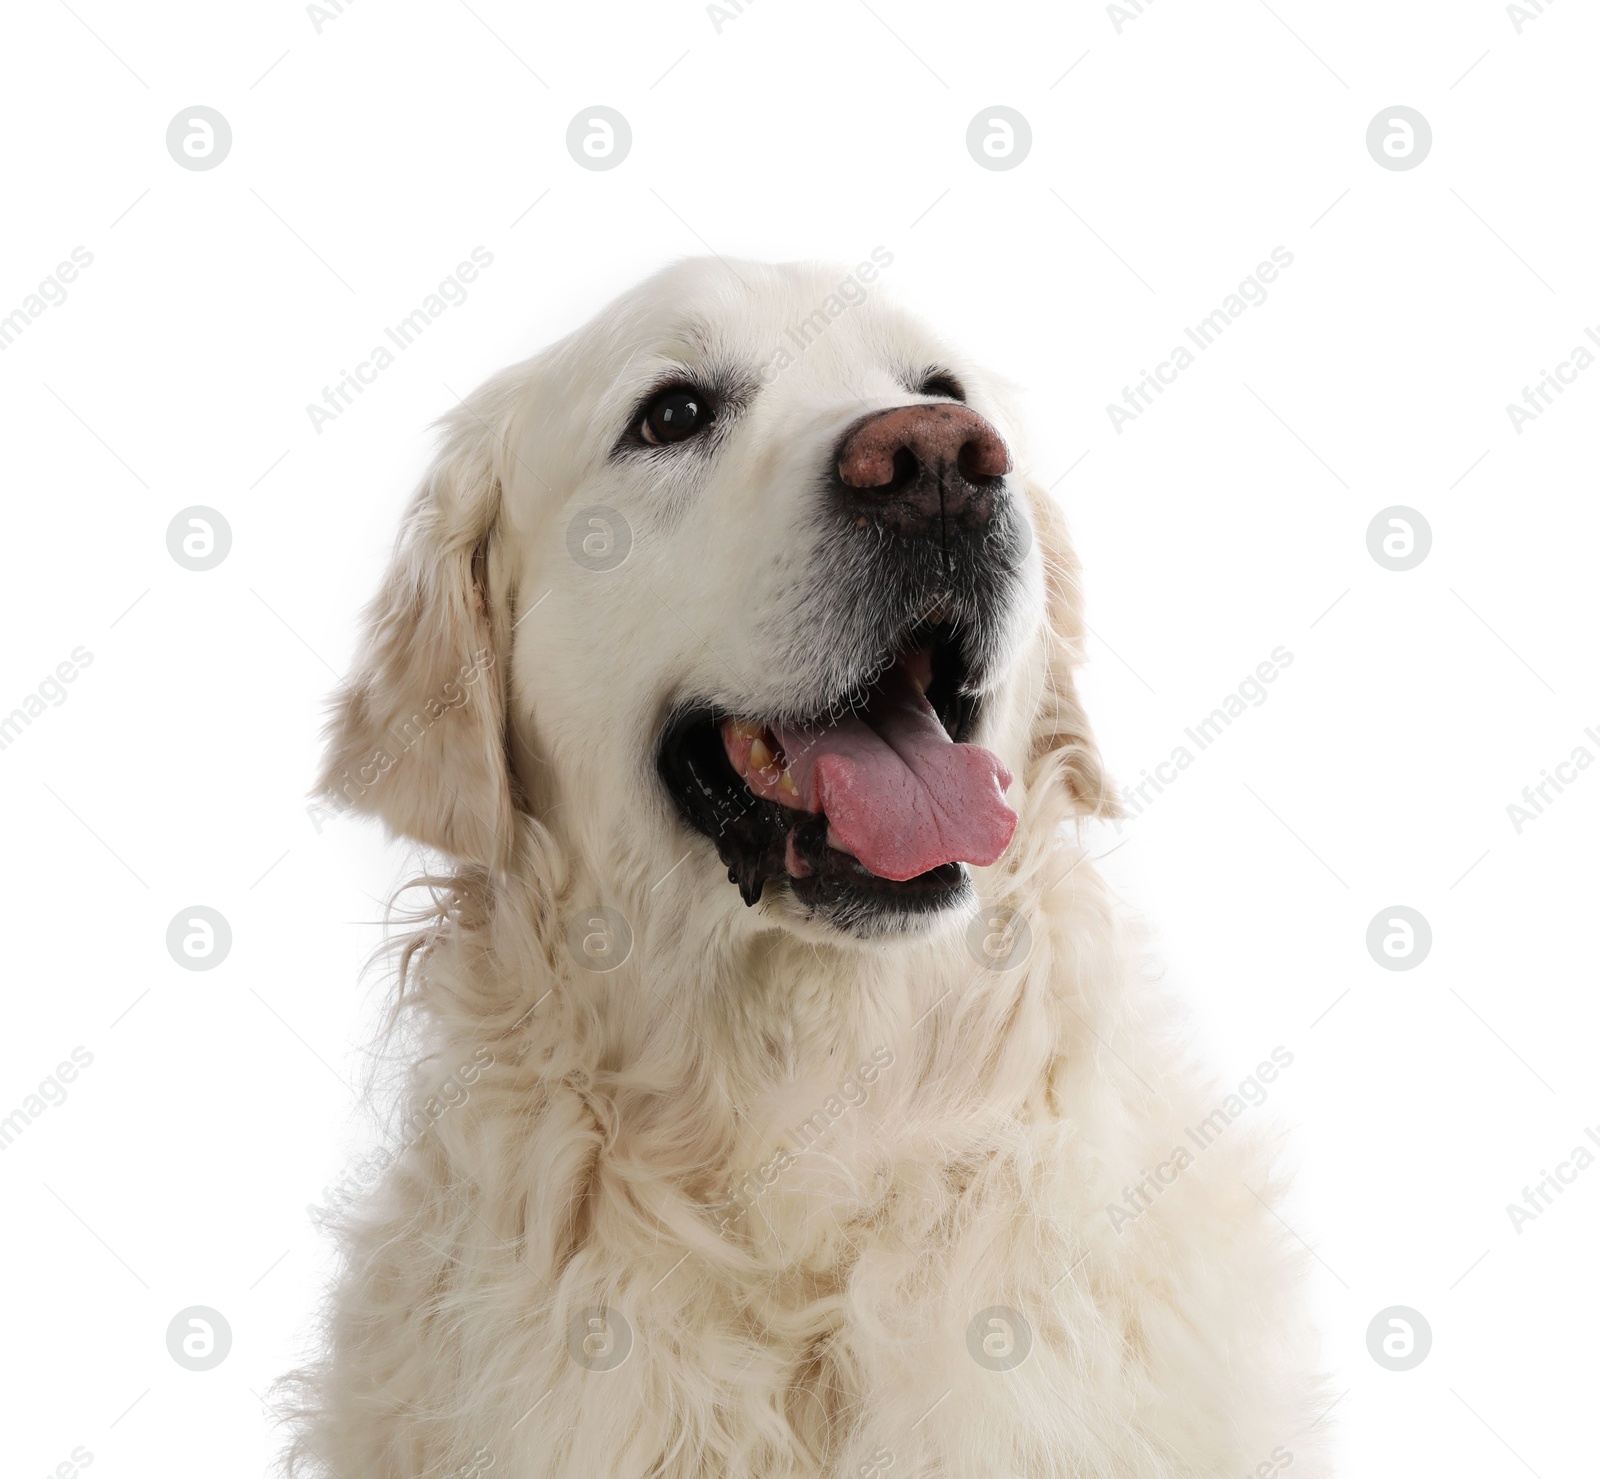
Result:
{"points": [[790, 1098]]}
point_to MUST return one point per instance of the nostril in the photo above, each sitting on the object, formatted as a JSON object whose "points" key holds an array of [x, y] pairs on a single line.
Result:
{"points": [[883, 469], [906, 470], [983, 459]]}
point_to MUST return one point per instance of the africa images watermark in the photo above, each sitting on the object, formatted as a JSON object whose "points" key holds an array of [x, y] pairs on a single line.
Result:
{"points": [[1538, 796], [850, 293], [320, 15], [880, 1461], [1540, 397], [1251, 692], [51, 293], [1121, 15], [720, 15], [50, 690], [1251, 293], [480, 1463], [1538, 1198], [450, 293], [50, 1091], [1520, 15], [852, 1094], [363, 1173], [1138, 1198], [348, 790]]}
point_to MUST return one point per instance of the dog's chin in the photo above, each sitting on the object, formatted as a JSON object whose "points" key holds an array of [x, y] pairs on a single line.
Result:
{"points": [[870, 908], [787, 858]]}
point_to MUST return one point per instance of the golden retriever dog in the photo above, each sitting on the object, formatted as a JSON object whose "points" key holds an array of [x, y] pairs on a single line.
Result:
{"points": [[790, 1095]]}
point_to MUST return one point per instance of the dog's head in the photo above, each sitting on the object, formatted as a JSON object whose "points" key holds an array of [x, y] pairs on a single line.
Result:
{"points": [[740, 579]]}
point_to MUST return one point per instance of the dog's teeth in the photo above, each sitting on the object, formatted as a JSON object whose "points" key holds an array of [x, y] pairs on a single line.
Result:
{"points": [[760, 755], [787, 784], [920, 666]]}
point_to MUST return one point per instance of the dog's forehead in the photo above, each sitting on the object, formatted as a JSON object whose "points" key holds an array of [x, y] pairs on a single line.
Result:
{"points": [[710, 311]]}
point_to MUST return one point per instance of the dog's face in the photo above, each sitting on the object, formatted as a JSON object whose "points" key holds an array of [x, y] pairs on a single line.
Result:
{"points": [[738, 581]]}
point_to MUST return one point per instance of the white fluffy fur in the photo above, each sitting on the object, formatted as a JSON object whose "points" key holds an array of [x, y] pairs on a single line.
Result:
{"points": [[608, 1154]]}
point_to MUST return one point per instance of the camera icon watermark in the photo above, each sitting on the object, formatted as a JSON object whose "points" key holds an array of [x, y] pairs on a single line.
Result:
{"points": [[599, 539], [199, 538], [1399, 1338], [1399, 938], [999, 938], [599, 1338], [599, 138], [199, 138], [1399, 538], [1399, 138], [999, 1338], [199, 1338], [999, 138], [199, 938], [600, 939]]}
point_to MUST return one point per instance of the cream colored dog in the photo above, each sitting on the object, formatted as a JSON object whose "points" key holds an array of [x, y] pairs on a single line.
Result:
{"points": [[790, 1101]]}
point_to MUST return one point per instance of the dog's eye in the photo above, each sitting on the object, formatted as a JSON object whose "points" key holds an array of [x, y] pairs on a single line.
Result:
{"points": [[674, 416], [941, 382]]}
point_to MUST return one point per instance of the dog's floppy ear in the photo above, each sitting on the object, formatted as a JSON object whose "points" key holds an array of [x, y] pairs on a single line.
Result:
{"points": [[1062, 740], [417, 736]]}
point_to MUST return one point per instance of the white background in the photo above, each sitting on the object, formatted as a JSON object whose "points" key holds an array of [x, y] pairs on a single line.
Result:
{"points": [[369, 158]]}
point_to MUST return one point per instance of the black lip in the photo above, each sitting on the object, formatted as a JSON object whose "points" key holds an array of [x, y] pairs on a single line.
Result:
{"points": [[751, 834]]}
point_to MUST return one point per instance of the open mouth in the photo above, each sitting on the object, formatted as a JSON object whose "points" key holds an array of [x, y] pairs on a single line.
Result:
{"points": [[875, 800]]}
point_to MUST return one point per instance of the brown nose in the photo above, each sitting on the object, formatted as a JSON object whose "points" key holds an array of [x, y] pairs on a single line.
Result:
{"points": [[923, 470]]}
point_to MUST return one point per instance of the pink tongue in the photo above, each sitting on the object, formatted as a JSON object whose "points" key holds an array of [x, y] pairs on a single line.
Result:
{"points": [[898, 792]]}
